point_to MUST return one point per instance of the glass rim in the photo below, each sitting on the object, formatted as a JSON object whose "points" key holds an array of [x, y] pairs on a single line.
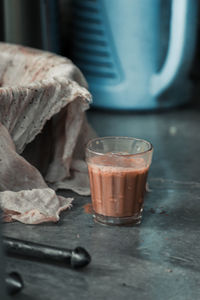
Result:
{"points": [[119, 137]]}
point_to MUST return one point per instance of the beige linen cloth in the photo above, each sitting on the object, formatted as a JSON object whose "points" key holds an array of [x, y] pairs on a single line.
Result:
{"points": [[43, 133]]}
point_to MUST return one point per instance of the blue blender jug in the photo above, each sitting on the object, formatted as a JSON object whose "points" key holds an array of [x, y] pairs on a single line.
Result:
{"points": [[117, 45]]}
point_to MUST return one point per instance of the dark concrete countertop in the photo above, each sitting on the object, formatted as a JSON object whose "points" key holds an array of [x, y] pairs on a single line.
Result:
{"points": [[159, 259]]}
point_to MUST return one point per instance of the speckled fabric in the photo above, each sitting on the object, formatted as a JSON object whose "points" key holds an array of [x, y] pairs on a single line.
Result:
{"points": [[38, 86]]}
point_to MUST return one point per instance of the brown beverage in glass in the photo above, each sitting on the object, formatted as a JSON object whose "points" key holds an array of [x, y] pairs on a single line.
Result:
{"points": [[118, 178]]}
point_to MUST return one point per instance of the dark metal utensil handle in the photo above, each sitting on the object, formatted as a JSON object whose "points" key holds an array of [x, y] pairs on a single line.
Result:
{"points": [[76, 258], [14, 283]]}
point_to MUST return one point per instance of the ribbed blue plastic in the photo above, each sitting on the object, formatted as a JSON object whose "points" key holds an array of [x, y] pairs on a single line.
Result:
{"points": [[92, 50]]}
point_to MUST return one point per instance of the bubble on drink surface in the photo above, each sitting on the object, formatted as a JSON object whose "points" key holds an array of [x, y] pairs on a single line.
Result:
{"points": [[122, 153]]}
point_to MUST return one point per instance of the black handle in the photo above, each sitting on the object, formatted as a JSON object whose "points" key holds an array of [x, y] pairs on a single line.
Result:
{"points": [[76, 258], [14, 283]]}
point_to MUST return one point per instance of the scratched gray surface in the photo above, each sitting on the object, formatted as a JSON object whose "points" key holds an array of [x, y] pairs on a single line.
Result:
{"points": [[158, 260]]}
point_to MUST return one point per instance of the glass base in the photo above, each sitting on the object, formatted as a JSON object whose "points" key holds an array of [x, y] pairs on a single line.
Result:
{"points": [[122, 221]]}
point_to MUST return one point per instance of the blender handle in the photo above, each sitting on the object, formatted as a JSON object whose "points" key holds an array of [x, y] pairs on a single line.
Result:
{"points": [[180, 50]]}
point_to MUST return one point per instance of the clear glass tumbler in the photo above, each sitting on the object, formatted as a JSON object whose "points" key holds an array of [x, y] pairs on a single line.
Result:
{"points": [[118, 169]]}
